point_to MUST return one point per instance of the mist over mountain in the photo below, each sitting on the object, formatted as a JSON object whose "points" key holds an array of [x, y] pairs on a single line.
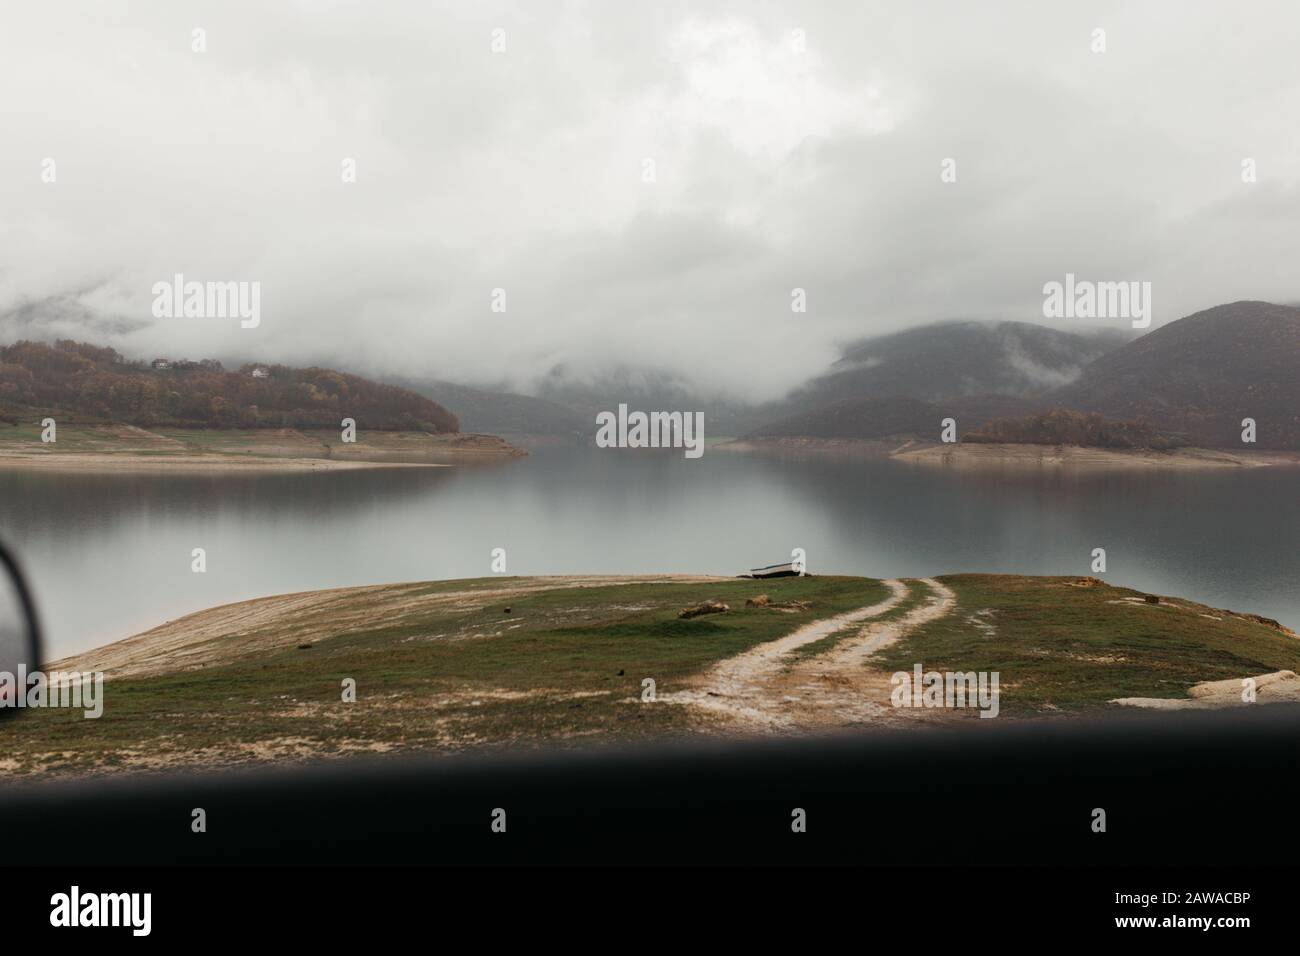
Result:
{"points": [[501, 412], [1202, 375], [970, 370], [776, 169], [995, 368], [949, 359], [645, 390], [1194, 380]]}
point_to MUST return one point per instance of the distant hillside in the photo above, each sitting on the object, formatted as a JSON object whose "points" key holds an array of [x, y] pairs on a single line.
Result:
{"points": [[976, 371], [646, 390], [894, 417], [993, 367], [1202, 375], [76, 379], [858, 418], [503, 413], [566, 408], [1189, 382], [950, 359]]}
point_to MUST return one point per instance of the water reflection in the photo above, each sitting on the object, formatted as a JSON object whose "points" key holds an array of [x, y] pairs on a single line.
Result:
{"points": [[111, 555]]}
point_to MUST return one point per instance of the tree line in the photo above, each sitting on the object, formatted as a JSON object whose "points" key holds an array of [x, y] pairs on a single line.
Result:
{"points": [[1061, 426], [95, 382]]}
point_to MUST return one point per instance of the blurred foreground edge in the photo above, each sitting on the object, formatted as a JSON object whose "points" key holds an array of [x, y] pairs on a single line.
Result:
{"points": [[1177, 789]]}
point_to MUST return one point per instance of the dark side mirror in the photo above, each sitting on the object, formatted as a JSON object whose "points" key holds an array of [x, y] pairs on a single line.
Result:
{"points": [[20, 633]]}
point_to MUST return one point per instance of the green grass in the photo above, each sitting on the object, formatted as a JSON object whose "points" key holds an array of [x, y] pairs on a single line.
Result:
{"points": [[1072, 648], [441, 666], [82, 435], [564, 664], [69, 437]]}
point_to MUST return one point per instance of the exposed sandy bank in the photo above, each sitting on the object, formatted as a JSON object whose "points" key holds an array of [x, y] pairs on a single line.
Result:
{"points": [[128, 463], [972, 454], [1275, 688], [979, 454], [126, 448]]}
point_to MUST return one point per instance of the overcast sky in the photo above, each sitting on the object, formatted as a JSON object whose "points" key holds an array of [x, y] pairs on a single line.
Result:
{"points": [[523, 170]]}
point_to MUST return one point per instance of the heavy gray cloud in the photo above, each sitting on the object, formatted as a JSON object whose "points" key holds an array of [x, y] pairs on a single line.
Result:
{"points": [[523, 170]]}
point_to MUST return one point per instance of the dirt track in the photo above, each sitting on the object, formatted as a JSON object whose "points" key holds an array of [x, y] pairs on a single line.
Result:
{"points": [[768, 689]]}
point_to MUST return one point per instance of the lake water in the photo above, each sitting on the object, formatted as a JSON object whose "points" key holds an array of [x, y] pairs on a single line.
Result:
{"points": [[110, 554]]}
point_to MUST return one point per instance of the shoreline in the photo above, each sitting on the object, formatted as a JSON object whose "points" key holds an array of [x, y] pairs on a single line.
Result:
{"points": [[981, 454], [126, 462], [126, 449]]}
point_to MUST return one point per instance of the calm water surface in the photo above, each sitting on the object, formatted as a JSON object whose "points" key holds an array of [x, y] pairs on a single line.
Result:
{"points": [[110, 555]]}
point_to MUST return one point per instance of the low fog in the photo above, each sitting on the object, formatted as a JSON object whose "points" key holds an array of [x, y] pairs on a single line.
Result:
{"points": [[775, 167]]}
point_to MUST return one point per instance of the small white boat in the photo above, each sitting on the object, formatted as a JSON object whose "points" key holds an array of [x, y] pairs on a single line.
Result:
{"points": [[787, 570]]}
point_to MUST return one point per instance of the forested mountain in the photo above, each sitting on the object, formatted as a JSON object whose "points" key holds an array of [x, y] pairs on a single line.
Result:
{"points": [[1202, 375], [951, 359], [73, 378], [1192, 381]]}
